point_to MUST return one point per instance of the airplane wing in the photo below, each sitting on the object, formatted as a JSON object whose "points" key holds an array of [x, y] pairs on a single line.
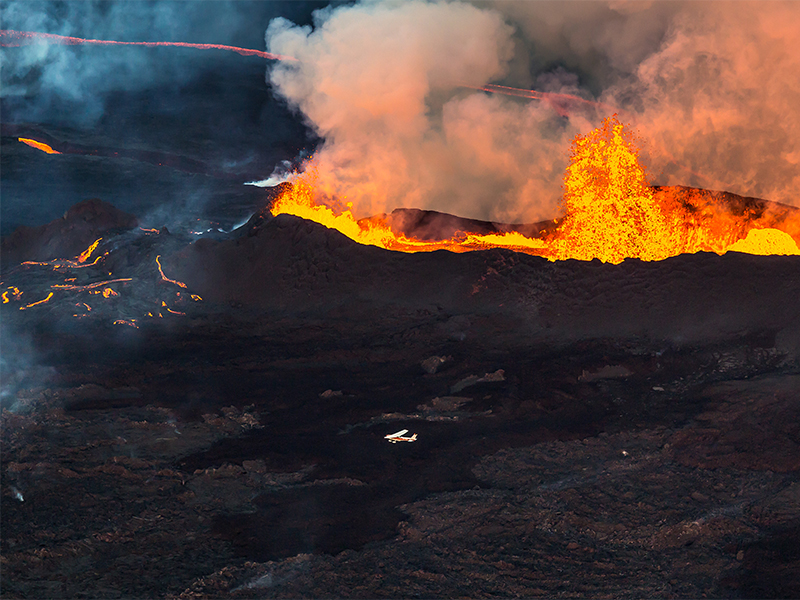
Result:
{"points": [[394, 435]]}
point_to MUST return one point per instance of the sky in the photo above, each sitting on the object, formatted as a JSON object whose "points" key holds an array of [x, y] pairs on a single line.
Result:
{"points": [[383, 96]]}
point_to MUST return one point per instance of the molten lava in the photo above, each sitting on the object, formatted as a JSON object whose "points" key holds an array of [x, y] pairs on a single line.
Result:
{"points": [[47, 299], [300, 200], [38, 145], [75, 289], [164, 277], [612, 213]]}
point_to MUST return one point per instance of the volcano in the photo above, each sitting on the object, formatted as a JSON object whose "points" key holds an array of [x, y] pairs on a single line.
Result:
{"points": [[214, 425], [399, 299]]}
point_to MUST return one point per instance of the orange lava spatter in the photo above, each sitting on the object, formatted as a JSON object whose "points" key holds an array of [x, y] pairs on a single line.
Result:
{"points": [[611, 213]]}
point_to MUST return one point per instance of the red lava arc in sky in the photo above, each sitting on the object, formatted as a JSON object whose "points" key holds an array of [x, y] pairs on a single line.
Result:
{"points": [[10, 37], [559, 102]]}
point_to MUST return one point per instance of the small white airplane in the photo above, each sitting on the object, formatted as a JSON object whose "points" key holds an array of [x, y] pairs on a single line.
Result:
{"points": [[400, 436]]}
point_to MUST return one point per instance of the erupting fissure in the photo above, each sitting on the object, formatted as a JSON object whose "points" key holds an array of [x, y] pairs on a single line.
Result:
{"points": [[611, 213]]}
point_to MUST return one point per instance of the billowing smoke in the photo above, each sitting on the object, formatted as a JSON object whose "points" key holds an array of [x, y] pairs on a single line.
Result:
{"points": [[722, 96], [713, 90], [384, 85]]}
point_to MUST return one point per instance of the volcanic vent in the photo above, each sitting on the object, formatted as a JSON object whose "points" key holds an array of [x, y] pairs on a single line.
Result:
{"points": [[612, 213]]}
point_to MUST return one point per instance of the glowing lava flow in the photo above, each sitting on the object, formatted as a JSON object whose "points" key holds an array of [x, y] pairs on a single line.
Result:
{"points": [[612, 213], [84, 256], [79, 262], [10, 37], [164, 277], [91, 286], [50, 295], [38, 145], [299, 200], [611, 210], [117, 295]]}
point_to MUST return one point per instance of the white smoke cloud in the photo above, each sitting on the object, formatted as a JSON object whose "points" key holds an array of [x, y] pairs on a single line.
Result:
{"points": [[382, 83], [713, 90]]}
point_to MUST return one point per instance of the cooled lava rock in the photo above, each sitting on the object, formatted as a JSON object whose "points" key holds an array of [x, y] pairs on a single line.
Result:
{"points": [[589, 430]]}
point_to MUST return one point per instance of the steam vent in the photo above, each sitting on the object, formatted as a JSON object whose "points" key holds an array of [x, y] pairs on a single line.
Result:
{"points": [[389, 300]]}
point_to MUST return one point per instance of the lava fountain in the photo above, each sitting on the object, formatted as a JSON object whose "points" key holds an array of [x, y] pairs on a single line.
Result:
{"points": [[611, 213]]}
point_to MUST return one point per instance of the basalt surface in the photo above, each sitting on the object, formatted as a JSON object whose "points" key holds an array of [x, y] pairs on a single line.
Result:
{"points": [[583, 429]]}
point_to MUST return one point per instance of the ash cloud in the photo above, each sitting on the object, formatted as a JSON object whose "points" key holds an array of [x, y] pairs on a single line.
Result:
{"points": [[712, 89]]}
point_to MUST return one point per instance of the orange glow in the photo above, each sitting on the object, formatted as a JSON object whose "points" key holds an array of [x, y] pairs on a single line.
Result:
{"points": [[129, 323], [766, 242], [612, 213], [561, 103], [83, 256], [63, 263], [14, 291], [15, 294], [50, 295], [300, 200], [108, 292], [91, 286], [164, 277], [38, 145]]}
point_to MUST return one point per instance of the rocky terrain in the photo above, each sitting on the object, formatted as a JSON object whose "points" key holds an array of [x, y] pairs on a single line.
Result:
{"points": [[583, 429]]}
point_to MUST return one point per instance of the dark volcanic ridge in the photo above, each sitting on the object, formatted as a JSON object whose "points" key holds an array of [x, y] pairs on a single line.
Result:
{"points": [[285, 266], [584, 429]]}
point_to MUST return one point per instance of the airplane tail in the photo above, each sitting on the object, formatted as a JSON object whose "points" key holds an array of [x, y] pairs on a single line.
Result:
{"points": [[413, 438]]}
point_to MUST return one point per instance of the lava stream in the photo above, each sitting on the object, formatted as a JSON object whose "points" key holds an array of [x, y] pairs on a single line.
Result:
{"points": [[38, 145], [50, 295], [164, 277]]}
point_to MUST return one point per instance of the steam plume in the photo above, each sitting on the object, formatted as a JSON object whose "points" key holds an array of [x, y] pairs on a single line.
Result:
{"points": [[713, 90]]}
